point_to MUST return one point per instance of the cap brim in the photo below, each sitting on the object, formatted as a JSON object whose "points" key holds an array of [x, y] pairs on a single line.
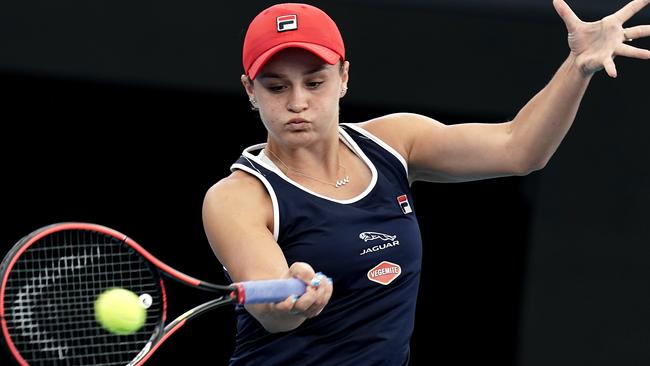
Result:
{"points": [[324, 53]]}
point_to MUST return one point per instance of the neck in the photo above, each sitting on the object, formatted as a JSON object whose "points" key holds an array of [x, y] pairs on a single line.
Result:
{"points": [[335, 176], [322, 158]]}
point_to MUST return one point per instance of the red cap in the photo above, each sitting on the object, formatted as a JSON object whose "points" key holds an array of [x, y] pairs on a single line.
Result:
{"points": [[291, 25]]}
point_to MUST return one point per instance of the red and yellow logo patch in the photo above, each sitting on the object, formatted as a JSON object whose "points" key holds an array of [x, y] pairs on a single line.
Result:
{"points": [[384, 273]]}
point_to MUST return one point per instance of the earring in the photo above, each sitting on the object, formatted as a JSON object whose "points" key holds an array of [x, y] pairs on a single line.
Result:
{"points": [[253, 102], [343, 91]]}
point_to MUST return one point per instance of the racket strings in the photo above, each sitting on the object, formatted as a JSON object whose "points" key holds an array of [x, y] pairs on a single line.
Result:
{"points": [[50, 296]]}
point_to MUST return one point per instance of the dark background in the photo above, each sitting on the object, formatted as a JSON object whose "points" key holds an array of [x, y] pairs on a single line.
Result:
{"points": [[125, 113]]}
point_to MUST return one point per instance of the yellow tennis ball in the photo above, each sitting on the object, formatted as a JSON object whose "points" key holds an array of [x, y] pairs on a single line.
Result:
{"points": [[119, 311]]}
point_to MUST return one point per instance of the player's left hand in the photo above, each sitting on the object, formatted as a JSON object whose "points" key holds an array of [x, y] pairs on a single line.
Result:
{"points": [[596, 44]]}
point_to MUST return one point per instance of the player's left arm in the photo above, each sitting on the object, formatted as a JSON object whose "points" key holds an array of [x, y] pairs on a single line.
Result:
{"points": [[472, 151]]}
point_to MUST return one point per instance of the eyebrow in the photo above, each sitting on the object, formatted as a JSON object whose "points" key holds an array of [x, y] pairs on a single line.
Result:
{"points": [[270, 75]]}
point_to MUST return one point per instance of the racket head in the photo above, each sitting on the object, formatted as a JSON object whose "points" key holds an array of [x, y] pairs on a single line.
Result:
{"points": [[50, 280]]}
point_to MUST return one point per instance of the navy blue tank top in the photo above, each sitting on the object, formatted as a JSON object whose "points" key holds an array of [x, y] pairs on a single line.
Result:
{"points": [[369, 245]]}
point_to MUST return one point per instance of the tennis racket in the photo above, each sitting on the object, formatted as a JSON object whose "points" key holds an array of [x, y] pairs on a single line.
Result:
{"points": [[52, 277]]}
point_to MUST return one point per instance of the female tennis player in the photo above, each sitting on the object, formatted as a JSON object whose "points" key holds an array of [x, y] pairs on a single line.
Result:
{"points": [[335, 198]]}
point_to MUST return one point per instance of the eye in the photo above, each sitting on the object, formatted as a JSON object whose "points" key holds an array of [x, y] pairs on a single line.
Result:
{"points": [[276, 88], [314, 84]]}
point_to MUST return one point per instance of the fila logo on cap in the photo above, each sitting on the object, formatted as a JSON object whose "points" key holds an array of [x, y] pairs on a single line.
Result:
{"points": [[404, 204], [287, 22]]}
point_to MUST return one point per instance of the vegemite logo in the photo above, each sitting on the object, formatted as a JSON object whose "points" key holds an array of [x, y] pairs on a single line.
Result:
{"points": [[384, 273]]}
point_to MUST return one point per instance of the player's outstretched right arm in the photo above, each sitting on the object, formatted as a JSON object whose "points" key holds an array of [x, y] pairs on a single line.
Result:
{"points": [[238, 221]]}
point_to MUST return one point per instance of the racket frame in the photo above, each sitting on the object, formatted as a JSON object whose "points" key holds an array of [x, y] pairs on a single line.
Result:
{"points": [[235, 294]]}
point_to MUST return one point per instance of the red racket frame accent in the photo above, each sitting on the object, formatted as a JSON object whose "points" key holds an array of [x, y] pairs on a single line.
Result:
{"points": [[102, 229]]}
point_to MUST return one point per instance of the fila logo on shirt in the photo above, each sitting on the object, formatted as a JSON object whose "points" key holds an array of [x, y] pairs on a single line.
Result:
{"points": [[403, 202], [287, 22], [367, 236]]}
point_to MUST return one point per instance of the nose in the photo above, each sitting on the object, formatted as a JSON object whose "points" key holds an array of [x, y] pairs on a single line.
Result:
{"points": [[298, 100]]}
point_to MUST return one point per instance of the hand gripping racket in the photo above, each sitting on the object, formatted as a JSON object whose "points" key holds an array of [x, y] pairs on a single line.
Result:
{"points": [[52, 277]]}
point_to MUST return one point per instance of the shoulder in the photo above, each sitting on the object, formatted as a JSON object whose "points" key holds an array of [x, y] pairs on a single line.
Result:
{"points": [[389, 124], [401, 130], [238, 222], [240, 196]]}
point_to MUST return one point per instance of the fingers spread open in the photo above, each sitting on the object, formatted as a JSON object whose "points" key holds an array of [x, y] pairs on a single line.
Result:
{"points": [[610, 67], [628, 11], [633, 52], [568, 16], [640, 31]]}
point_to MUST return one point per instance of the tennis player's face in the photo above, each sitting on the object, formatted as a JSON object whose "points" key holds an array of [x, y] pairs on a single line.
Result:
{"points": [[298, 96]]}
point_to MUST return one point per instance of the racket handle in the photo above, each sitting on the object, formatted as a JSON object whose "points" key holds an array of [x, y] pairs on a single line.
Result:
{"points": [[267, 291]]}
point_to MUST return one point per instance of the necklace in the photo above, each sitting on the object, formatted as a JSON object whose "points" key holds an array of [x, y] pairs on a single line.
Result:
{"points": [[339, 183]]}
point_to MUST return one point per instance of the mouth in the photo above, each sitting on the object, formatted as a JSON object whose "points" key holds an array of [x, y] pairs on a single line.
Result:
{"points": [[297, 121]]}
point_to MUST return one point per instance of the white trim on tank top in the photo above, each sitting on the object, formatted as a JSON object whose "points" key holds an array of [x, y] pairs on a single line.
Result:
{"points": [[348, 141], [269, 188], [381, 143]]}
